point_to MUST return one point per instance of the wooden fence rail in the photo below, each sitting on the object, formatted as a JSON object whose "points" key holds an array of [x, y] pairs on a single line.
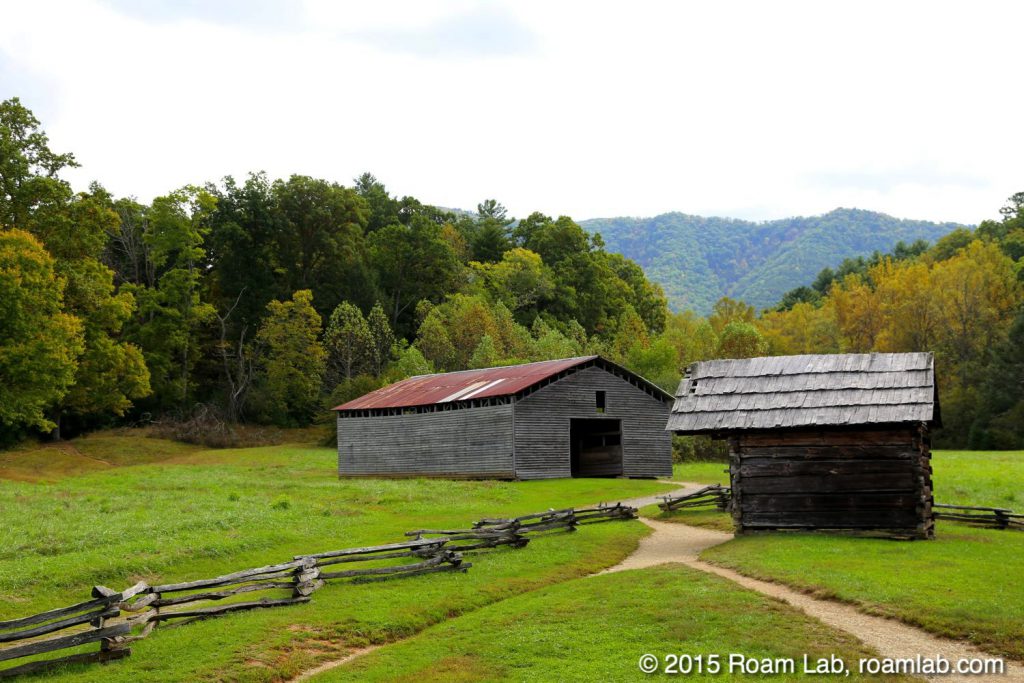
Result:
{"points": [[116, 619], [996, 518], [716, 495]]}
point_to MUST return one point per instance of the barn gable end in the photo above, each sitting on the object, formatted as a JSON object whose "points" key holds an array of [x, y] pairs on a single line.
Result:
{"points": [[542, 425]]}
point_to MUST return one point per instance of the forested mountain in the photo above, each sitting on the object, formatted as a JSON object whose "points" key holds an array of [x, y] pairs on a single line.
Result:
{"points": [[270, 300], [698, 260]]}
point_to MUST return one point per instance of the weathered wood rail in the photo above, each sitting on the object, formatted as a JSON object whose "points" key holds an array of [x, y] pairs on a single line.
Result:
{"points": [[995, 518], [990, 517], [714, 495], [116, 619]]}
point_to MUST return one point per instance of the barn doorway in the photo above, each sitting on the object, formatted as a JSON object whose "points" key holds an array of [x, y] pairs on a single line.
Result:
{"points": [[595, 447]]}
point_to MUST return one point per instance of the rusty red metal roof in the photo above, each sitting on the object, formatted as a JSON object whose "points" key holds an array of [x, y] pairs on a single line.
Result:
{"points": [[426, 390]]}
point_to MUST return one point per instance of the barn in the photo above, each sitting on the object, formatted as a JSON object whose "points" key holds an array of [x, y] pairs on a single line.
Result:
{"points": [[574, 417], [830, 442]]}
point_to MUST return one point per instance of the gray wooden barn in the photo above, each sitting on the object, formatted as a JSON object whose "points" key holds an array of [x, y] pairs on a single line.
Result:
{"points": [[575, 417], [837, 442]]}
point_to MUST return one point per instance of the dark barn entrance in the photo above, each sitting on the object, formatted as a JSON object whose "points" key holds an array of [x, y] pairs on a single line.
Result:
{"points": [[595, 447]]}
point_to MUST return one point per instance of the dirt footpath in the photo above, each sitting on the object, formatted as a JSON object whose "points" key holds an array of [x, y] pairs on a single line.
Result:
{"points": [[681, 543]]}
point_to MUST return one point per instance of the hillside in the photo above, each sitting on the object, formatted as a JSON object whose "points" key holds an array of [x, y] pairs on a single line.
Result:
{"points": [[699, 260]]}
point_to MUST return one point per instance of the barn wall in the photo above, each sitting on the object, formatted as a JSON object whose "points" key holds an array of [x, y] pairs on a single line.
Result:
{"points": [[870, 480], [542, 425], [470, 443]]}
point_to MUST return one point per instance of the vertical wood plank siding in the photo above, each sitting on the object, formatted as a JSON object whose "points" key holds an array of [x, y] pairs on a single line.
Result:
{"points": [[542, 425], [872, 479], [468, 443]]}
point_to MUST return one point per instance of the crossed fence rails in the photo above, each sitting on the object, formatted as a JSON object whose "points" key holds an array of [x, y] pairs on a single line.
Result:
{"points": [[116, 619], [994, 518], [714, 495]]}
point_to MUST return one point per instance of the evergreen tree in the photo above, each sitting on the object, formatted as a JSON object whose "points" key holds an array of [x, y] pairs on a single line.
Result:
{"points": [[349, 344], [382, 336]]}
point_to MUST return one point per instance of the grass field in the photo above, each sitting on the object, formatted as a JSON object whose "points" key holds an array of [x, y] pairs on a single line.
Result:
{"points": [[596, 629], [966, 584], [113, 509], [701, 472], [187, 513]]}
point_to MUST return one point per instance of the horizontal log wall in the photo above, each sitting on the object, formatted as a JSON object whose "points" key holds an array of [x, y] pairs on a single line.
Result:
{"points": [[871, 480], [471, 443], [542, 421]]}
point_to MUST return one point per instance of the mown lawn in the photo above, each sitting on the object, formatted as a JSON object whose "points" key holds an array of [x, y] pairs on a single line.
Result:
{"points": [[186, 513], [709, 518], [701, 472], [986, 478], [966, 584], [596, 629]]}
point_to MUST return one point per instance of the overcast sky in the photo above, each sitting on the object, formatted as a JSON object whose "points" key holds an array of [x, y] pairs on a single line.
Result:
{"points": [[747, 109]]}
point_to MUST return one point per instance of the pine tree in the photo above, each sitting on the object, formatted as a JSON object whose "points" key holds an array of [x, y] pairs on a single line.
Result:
{"points": [[383, 338]]}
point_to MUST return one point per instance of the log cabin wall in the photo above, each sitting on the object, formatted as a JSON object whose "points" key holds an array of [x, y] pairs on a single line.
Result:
{"points": [[542, 423], [875, 480]]}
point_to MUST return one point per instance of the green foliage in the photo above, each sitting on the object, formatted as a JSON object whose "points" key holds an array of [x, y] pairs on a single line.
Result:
{"points": [[30, 185], [412, 262], [409, 362], [490, 236], [349, 343], [292, 360], [485, 355], [741, 340], [320, 242], [958, 299], [171, 312], [1000, 422], [351, 389], [699, 260], [74, 229], [433, 341], [520, 280], [39, 342], [656, 362], [382, 338]]}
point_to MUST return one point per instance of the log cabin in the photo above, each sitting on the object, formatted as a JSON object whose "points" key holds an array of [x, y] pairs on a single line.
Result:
{"points": [[573, 417], [835, 442]]}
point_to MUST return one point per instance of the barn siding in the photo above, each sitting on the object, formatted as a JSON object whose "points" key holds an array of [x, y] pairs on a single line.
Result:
{"points": [[542, 425], [469, 443], [874, 479]]}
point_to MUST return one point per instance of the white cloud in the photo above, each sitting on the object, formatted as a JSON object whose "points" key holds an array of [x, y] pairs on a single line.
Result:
{"points": [[748, 109]]}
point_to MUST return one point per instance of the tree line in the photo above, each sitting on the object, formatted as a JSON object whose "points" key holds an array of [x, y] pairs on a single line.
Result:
{"points": [[269, 301]]}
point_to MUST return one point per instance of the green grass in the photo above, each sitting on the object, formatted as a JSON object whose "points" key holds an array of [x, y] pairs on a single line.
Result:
{"points": [[709, 518], [966, 584], [986, 478], [185, 513], [596, 629], [701, 472]]}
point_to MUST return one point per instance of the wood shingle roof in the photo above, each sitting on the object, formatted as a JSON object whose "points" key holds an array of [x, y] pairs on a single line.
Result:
{"points": [[805, 391]]}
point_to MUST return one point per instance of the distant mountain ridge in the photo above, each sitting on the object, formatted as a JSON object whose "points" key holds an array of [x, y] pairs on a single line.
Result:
{"points": [[700, 259]]}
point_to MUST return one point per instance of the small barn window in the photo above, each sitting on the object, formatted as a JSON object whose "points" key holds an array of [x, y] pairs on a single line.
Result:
{"points": [[599, 400]]}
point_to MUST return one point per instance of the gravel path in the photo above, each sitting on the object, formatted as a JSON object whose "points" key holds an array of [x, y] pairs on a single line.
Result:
{"points": [[672, 542]]}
